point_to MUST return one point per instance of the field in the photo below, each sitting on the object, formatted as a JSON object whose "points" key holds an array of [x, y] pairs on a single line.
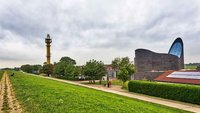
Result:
{"points": [[40, 95]]}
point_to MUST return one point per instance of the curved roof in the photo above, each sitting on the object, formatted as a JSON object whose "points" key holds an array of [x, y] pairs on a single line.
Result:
{"points": [[176, 48]]}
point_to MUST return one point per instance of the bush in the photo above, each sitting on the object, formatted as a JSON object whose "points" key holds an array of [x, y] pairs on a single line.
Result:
{"points": [[179, 92]]}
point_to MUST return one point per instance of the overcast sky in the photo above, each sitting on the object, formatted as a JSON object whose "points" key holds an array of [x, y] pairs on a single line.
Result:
{"points": [[95, 29]]}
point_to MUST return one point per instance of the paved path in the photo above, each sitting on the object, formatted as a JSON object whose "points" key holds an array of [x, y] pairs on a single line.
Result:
{"points": [[8, 101], [166, 102]]}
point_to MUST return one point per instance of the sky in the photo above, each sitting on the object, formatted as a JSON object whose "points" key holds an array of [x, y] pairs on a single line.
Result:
{"points": [[95, 29]]}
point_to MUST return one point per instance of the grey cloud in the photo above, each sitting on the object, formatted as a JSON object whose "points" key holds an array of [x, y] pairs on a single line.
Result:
{"points": [[97, 25]]}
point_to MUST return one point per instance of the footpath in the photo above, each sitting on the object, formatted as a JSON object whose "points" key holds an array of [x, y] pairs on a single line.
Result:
{"points": [[115, 90], [8, 101]]}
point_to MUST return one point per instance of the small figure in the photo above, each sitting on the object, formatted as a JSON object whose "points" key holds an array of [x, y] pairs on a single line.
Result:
{"points": [[12, 74], [108, 84]]}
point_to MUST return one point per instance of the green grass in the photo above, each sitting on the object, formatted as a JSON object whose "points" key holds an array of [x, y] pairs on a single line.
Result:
{"points": [[40, 95], [190, 67], [120, 83], [117, 82], [1, 74], [113, 82]]}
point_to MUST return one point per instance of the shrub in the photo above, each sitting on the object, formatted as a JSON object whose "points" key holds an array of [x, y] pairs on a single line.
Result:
{"points": [[179, 92]]}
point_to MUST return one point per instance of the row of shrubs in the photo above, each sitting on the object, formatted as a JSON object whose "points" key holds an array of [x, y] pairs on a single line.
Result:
{"points": [[179, 92]]}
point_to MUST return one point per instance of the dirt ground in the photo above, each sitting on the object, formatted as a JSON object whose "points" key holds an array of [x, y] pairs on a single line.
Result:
{"points": [[8, 101]]}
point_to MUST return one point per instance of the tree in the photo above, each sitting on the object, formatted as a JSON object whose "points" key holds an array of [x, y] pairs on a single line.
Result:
{"points": [[69, 72], [31, 68], [124, 67], [59, 68], [198, 67], [116, 63], [68, 60], [130, 68], [36, 68], [26, 68], [94, 70], [65, 68], [47, 69], [123, 75]]}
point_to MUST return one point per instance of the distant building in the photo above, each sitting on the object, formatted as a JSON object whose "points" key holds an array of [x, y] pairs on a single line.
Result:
{"points": [[111, 72], [149, 64]]}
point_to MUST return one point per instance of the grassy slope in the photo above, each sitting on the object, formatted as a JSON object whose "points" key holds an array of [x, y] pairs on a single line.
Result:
{"points": [[1, 74], [39, 95]]}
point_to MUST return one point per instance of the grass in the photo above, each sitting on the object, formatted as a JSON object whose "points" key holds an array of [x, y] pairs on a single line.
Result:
{"points": [[1, 74], [117, 82], [40, 95], [120, 83], [190, 67], [113, 82]]}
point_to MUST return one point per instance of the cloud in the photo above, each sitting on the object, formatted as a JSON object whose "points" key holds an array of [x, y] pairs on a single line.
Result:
{"points": [[99, 29]]}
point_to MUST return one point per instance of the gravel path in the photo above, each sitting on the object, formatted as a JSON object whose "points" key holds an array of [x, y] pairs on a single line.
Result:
{"points": [[8, 101]]}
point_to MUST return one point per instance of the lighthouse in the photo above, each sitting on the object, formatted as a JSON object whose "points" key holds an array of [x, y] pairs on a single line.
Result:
{"points": [[48, 46]]}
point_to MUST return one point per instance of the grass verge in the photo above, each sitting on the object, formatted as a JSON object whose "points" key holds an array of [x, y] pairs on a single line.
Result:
{"points": [[190, 67], [40, 95], [113, 82], [1, 74]]}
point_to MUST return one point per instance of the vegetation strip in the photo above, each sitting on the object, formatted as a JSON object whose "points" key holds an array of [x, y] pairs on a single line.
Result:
{"points": [[42, 95], [179, 92]]}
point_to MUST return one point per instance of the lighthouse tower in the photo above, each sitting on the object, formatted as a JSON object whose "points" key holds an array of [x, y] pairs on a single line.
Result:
{"points": [[48, 45]]}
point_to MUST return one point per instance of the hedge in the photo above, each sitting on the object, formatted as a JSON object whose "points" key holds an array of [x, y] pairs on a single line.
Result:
{"points": [[179, 92]]}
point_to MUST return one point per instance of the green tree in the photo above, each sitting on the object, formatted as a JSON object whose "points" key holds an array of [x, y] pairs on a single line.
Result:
{"points": [[47, 69], [198, 67], [70, 72], [68, 60], [27, 68], [59, 68], [123, 75], [125, 68], [65, 68], [94, 70], [116, 63], [36, 68], [31, 68]]}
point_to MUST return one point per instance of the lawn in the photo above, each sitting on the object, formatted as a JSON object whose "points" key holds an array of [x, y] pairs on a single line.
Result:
{"points": [[190, 67], [40, 95], [113, 82]]}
